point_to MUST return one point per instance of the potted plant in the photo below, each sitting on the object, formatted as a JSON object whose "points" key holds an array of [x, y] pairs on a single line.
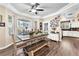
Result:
{"points": [[31, 34], [38, 32]]}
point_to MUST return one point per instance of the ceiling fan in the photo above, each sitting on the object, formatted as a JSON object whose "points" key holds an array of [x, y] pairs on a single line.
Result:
{"points": [[35, 9]]}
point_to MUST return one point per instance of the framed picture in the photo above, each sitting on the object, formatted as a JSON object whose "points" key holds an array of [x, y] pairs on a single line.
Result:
{"points": [[54, 23], [0, 18], [2, 24], [40, 25]]}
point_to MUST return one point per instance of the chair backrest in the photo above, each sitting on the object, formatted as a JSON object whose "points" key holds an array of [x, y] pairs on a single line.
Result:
{"points": [[8, 51]]}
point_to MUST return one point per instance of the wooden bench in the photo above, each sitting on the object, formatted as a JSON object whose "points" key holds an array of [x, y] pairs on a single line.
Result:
{"points": [[31, 49], [42, 52]]}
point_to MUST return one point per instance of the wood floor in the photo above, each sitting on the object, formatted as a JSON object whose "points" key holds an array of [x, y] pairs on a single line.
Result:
{"points": [[67, 47]]}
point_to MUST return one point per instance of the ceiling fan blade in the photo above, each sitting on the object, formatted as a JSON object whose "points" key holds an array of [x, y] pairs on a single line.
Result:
{"points": [[40, 9], [33, 7], [37, 4]]}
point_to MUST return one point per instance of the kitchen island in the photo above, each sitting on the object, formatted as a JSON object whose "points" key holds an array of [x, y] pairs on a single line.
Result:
{"points": [[34, 44]]}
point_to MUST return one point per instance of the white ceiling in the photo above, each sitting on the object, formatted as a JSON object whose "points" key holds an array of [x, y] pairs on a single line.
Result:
{"points": [[69, 13], [49, 8]]}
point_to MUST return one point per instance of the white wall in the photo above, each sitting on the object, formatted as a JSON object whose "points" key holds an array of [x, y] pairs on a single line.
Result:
{"points": [[52, 35], [2, 29], [5, 38]]}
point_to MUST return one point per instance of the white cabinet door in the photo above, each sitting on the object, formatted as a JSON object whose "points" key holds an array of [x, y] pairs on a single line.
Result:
{"points": [[54, 37], [65, 33], [71, 33]]}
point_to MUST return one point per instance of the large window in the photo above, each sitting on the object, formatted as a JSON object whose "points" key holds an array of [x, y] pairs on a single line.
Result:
{"points": [[45, 26], [23, 25], [10, 24], [65, 25]]}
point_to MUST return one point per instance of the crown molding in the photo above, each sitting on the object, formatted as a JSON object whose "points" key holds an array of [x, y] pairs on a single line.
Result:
{"points": [[10, 7], [61, 10]]}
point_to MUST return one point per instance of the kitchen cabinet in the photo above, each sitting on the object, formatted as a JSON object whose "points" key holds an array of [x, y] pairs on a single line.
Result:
{"points": [[71, 33], [54, 36]]}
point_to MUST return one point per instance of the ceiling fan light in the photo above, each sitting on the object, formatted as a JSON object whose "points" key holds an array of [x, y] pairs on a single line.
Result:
{"points": [[33, 10]]}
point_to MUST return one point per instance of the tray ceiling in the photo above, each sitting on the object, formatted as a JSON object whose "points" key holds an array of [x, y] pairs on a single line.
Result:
{"points": [[49, 8]]}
